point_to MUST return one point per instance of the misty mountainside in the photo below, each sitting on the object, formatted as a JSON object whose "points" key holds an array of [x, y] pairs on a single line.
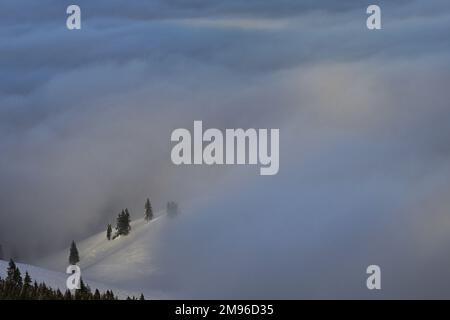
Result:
{"points": [[122, 264], [57, 280]]}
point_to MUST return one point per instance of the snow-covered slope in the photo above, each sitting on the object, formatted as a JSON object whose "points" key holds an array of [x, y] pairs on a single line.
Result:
{"points": [[120, 263]]}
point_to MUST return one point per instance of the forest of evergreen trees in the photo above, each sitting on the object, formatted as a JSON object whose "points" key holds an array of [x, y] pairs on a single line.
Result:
{"points": [[123, 220], [16, 287]]}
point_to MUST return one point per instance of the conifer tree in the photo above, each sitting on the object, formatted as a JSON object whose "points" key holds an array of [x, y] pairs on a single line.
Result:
{"points": [[108, 232], [1, 253], [26, 289], [127, 220], [74, 258], [13, 282], [59, 295], [119, 223], [27, 280], [18, 278], [148, 210], [172, 208]]}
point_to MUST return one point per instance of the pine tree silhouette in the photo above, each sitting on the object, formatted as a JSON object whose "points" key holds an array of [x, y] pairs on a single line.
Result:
{"points": [[148, 210], [74, 258], [123, 223], [13, 287]]}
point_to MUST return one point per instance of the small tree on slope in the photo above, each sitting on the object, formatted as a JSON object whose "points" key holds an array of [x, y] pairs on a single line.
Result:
{"points": [[148, 210], [74, 258], [108, 232], [123, 223]]}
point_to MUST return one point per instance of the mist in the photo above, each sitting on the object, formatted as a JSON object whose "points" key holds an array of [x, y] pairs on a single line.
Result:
{"points": [[86, 118]]}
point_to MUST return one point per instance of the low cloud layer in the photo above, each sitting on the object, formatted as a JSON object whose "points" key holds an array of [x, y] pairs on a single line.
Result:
{"points": [[86, 117]]}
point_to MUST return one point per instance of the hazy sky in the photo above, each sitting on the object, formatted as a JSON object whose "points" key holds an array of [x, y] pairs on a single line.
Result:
{"points": [[86, 117]]}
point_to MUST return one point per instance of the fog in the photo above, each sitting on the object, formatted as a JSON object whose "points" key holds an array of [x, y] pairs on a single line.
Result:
{"points": [[86, 118]]}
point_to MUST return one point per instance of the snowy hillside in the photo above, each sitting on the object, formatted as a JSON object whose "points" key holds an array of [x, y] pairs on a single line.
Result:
{"points": [[121, 263]]}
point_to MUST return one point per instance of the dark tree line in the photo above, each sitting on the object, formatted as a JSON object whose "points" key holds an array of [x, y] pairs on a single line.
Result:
{"points": [[123, 226], [14, 287]]}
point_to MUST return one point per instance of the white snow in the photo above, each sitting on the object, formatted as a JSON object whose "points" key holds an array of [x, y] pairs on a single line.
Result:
{"points": [[118, 264]]}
